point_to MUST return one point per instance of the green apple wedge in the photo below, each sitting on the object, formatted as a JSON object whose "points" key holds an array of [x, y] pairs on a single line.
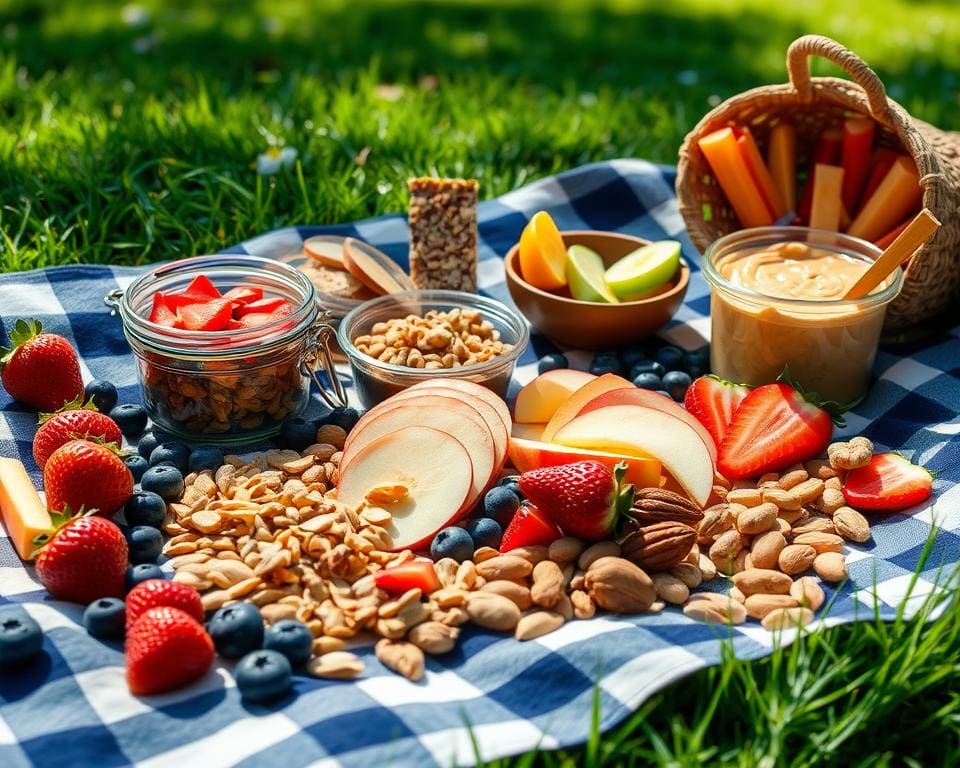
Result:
{"points": [[585, 276], [644, 269]]}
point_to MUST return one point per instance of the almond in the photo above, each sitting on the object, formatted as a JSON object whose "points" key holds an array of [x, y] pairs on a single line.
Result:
{"points": [[821, 542], [820, 468], [831, 567], [513, 591], [537, 624], [716, 520], [655, 505], [658, 547], [721, 611], [757, 519], [547, 584], [433, 637], [670, 589], [815, 524], [505, 567], [787, 618], [763, 581], [402, 657], [595, 551], [565, 550], [808, 592], [725, 549], [808, 490], [765, 549], [796, 558], [785, 500], [748, 497], [619, 585], [492, 611], [830, 500], [851, 525], [687, 573], [759, 606]]}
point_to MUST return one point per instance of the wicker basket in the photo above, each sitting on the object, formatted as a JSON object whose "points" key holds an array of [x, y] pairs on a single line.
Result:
{"points": [[812, 104]]}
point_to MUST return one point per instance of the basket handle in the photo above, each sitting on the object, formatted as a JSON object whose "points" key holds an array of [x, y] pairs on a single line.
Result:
{"points": [[809, 45]]}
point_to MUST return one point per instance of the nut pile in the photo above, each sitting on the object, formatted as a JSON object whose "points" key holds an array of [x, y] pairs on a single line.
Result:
{"points": [[453, 339], [443, 233]]}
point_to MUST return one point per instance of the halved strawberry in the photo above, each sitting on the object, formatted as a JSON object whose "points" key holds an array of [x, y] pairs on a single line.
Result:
{"points": [[887, 484], [201, 287], [265, 306], [775, 426], [177, 301], [244, 294], [712, 401], [528, 528], [214, 315], [416, 574], [162, 313]]}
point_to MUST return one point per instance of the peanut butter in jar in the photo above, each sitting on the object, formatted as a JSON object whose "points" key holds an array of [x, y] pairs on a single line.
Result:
{"points": [[777, 300]]}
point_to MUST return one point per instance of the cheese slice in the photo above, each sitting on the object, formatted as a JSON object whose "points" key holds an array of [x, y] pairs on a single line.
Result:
{"points": [[24, 516], [825, 206], [782, 160]]}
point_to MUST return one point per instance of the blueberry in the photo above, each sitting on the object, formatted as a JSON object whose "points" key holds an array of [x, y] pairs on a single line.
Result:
{"points": [[345, 418], [142, 572], [20, 636], [647, 366], [104, 618], [671, 358], [145, 508], [452, 542], [172, 452], [552, 362], [144, 544], [698, 362], [137, 465], [605, 362], [165, 481], [500, 504], [205, 457], [648, 381], [263, 676], [236, 630], [485, 532], [297, 434], [630, 357], [677, 383], [511, 483], [132, 419], [102, 393], [292, 638], [150, 440]]}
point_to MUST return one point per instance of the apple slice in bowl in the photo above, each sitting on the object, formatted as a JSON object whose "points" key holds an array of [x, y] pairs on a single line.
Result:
{"points": [[433, 466]]}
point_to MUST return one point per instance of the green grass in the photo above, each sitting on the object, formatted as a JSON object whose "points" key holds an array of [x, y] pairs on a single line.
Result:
{"points": [[133, 142]]}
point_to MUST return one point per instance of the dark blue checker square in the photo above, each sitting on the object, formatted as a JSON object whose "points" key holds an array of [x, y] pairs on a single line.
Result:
{"points": [[98, 334], [541, 676], [620, 209], [503, 231], [343, 733], [86, 746], [943, 553]]}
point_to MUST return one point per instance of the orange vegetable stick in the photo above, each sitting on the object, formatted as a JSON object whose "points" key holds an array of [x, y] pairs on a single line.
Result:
{"points": [[855, 157], [782, 161], [827, 152], [723, 153], [898, 194], [759, 173], [880, 163], [826, 205], [888, 238], [844, 218]]}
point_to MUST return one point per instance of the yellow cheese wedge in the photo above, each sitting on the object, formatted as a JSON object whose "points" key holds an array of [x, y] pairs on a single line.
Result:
{"points": [[24, 516], [827, 185]]}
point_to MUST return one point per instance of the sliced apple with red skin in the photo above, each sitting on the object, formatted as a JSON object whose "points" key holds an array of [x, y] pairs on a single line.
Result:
{"points": [[527, 431], [646, 432], [539, 400], [444, 413], [636, 396], [434, 467], [476, 390], [572, 405], [529, 454]]}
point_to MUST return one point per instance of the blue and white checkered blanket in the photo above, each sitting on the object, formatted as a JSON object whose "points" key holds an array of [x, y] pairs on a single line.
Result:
{"points": [[73, 707]]}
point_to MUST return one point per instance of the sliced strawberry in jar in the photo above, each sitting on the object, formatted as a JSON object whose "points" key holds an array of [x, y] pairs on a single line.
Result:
{"points": [[243, 294], [262, 306], [413, 575], [214, 315], [202, 288], [161, 312]]}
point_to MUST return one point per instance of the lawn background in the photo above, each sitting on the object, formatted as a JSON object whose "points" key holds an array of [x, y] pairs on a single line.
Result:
{"points": [[130, 135]]}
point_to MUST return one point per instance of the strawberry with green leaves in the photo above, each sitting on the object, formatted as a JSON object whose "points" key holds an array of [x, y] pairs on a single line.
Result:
{"points": [[73, 422], [888, 483], [40, 369], [84, 559], [83, 474]]}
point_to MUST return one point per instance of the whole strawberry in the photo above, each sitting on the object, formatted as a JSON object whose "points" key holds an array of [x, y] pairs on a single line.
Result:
{"points": [[166, 649], [81, 474], [73, 422], [84, 560], [585, 498], [155, 593], [40, 369]]}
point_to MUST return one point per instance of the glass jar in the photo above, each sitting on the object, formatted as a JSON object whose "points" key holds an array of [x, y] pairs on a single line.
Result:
{"points": [[828, 342], [228, 386]]}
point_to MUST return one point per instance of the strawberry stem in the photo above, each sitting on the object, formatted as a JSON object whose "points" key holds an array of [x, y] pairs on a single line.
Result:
{"points": [[625, 494], [831, 407], [23, 331]]}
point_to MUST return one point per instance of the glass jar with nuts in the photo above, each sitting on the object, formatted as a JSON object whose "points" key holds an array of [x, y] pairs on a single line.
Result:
{"points": [[233, 385], [399, 340]]}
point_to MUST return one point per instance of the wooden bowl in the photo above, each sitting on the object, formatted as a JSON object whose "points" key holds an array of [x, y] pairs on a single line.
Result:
{"points": [[590, 325]]}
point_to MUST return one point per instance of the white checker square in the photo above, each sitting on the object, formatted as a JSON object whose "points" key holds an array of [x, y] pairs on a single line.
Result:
{"points": [[633, 682], [37, 301], [383, 231], [454, 746], [326, 762], [394, 690], [546, 193], [577, 631], [6, 735], [951, 427], [15, 581], [230, 745], [910, 374], [64, 615], [897, 591], [690, 336], [272, 245], [668, 218], [490, 274]]}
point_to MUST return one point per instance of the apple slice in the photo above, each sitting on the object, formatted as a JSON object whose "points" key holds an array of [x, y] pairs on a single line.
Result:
{"points": [[527, 431], [481, 393], [444, 413], [572, 405], [530, 454], [436, 470], [636, 396], [646, 432], [539, 400]]}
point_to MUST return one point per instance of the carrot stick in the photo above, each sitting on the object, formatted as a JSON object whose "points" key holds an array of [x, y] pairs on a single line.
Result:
{"points": [[898, 194], [880, 162], [827, 152], [855, 157], [723, 153], [825, 207], [759, 173], [782, 161]]}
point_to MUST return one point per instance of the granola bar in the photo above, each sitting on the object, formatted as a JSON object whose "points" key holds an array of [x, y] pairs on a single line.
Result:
{"points": [[443, 233]]}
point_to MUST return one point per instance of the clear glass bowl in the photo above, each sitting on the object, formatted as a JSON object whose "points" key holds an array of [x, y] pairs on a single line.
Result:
{"points": [[376, 381], [229, 386], [829, 344]]}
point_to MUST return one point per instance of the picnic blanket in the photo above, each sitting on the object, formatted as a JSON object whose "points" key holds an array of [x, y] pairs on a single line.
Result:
{"points": [[73, 707]]}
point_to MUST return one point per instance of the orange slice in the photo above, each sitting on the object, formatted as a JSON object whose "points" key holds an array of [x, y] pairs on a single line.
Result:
{"points": [[543, 256]]}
